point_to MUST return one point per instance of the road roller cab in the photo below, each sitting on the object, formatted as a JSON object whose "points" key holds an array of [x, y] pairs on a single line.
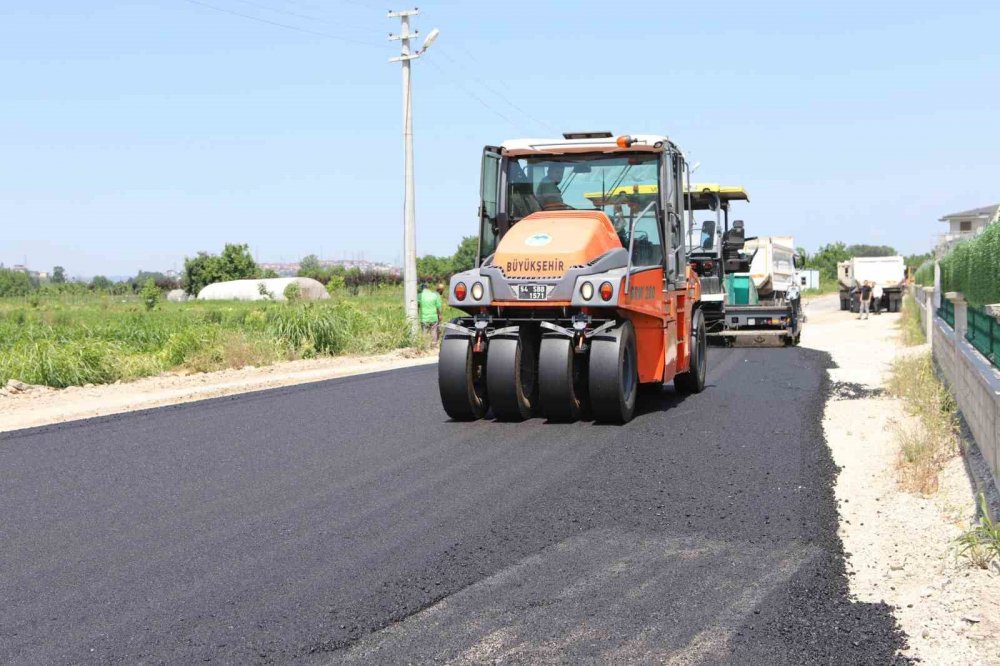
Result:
{"points": [[582, 290]]}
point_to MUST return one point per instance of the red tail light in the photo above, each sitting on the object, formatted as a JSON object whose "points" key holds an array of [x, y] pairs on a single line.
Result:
{"points": [[460, 291], [607, 291]]}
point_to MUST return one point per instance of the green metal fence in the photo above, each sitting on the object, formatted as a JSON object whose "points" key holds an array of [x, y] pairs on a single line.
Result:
{"points": [[947, 312], [984, 334]]}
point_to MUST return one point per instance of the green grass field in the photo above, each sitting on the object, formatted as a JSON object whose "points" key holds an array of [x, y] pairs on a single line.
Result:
{"points": [[96, 339]]}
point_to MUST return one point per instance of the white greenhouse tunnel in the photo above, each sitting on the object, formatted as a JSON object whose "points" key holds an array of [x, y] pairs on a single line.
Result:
{"points": [[273, 289]]}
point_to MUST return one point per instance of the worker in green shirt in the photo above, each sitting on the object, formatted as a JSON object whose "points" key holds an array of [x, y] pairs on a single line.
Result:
{"points": [[429, 302]]}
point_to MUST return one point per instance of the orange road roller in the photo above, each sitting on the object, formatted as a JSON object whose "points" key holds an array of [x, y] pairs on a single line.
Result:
{"points": [[582, 292]]}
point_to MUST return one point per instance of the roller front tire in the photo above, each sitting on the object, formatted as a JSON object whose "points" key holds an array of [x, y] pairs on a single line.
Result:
{"points": [[462, 379], [614, 374], [511, 375], [560, 392]]}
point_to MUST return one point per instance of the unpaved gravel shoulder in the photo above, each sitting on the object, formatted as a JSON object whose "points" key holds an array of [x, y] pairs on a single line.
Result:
{"points": [[901, 546], [40, 405]]}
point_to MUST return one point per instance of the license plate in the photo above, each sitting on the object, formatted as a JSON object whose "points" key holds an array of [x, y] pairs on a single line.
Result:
{"points": [[532, 292]]}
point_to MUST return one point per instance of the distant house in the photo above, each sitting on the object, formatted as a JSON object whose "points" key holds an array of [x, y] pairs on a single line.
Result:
{"points": [[967, 224]]}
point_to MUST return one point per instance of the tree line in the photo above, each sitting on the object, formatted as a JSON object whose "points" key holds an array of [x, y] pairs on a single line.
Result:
{"points": [[18, 283], [432, 268]]}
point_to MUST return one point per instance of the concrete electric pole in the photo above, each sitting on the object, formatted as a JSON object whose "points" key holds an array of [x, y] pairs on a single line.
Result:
{"points": [[409, 222]]}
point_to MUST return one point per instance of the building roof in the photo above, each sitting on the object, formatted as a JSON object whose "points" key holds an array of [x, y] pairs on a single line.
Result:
{"points": [[985, 211]]}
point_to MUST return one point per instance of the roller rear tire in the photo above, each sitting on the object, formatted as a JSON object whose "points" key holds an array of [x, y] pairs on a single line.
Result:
{"points": [[511, 375], [462, 379], [693, 381], [614, 374]]}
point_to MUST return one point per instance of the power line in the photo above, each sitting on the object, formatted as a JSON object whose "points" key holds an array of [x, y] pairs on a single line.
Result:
{"points": [[502, 98], [310, 17], [313, 7], [475, 60], [354, 2], [278, 10], [283, 25], [474, 95]]}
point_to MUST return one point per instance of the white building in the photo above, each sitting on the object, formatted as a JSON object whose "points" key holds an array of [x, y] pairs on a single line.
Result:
{"points": [[808, 278], [967, 224]]}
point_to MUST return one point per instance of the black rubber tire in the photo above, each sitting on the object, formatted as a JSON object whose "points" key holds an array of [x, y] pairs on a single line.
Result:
{"points": [[512, 375], [462, 380], [614, 375], [561, 395], [693, 381]]}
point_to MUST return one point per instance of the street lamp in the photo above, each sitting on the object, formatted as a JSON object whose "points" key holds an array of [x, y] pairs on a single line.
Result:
{"points": [[409, 224]]}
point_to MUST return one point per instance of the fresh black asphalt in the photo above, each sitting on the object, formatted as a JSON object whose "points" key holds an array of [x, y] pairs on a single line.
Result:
{"points": [[350, 521]]}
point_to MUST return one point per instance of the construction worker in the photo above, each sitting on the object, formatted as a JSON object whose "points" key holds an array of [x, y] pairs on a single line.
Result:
{"points": [[548, 194], [430, 306], [864, 300], [793, 298], [877, 298]]}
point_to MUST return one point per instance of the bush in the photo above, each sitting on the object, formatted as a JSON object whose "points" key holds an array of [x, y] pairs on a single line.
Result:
{"points": [[235, 263], [981, 544], [101, 283], [924, 276], [356, 279], [910, 325], [932, 439], [14, 283], [973, 268], [292, 292], [150, 295], [335, 284]]}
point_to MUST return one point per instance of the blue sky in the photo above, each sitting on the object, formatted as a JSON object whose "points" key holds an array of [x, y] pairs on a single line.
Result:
{"points": [[135, 133]]}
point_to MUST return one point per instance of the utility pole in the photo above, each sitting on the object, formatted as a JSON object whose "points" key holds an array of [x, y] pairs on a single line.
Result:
{"points": [[409, 208]]}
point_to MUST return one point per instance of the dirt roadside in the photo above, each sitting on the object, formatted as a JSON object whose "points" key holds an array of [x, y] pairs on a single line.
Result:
{"points": [[901, 546], [40, 405]]}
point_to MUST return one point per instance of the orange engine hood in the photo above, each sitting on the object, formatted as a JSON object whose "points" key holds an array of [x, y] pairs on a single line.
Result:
{"points": [[549, 243]]}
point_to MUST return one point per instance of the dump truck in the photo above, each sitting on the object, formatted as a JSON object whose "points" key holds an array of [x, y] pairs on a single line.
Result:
{"points": [[889, 272], [705, 244], [757, 311], [773, 265], [582, 292]]}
